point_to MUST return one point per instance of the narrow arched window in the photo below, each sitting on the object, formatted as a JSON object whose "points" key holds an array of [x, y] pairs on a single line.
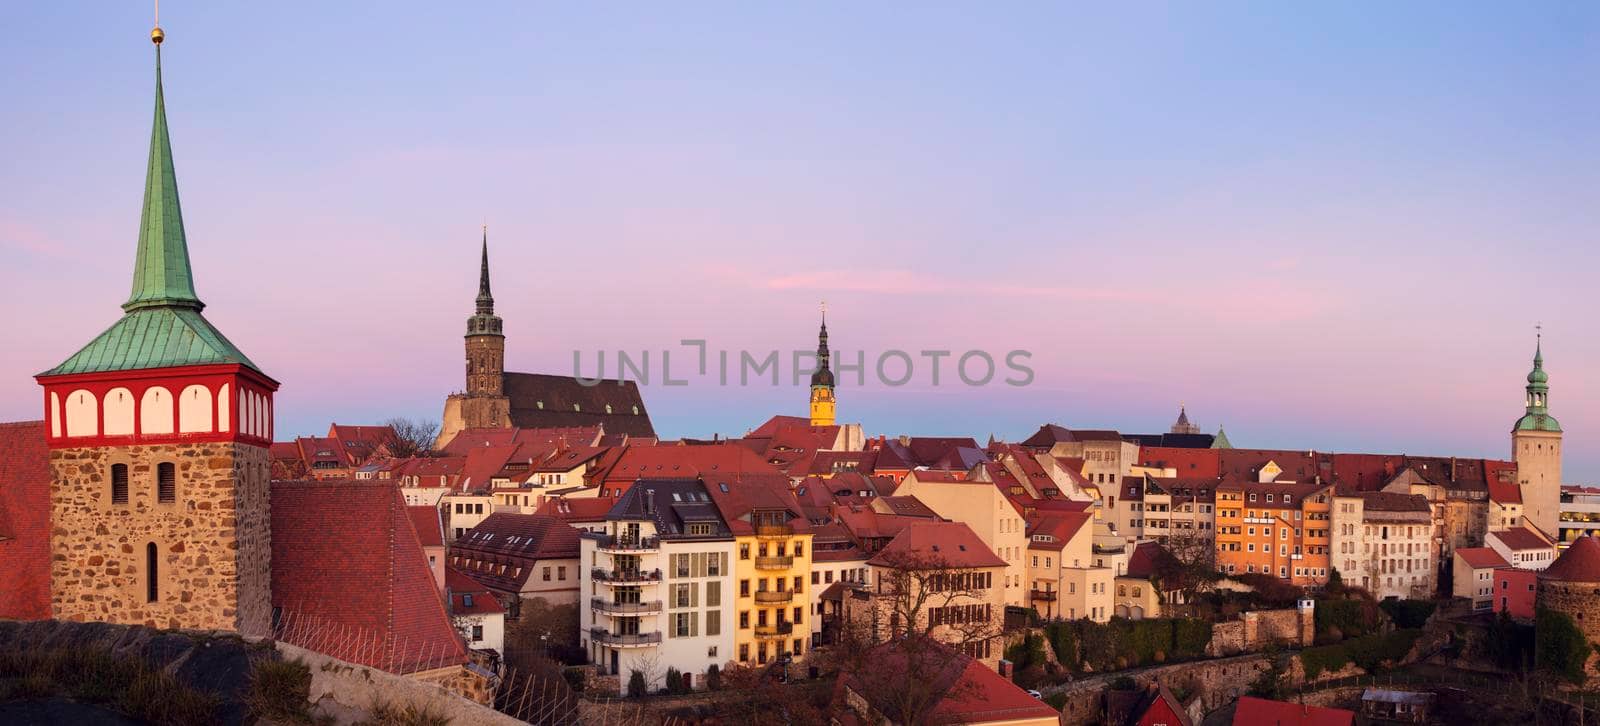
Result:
{"points": [[150, 588], [119, 483], [166, 483]]}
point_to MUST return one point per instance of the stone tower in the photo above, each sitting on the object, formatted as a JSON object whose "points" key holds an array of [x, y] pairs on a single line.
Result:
{"points": [[822, 413], [1182, 425], [1536, 449], [158, 432], [484, 404]]}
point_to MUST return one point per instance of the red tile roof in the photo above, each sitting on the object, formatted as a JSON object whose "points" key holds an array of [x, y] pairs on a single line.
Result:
{"points": [[465, 590], [1481, 557], [1060, 526], [942, 544], [578, 509], [24, 522], [517, 541], [345, 556], [429, 526], [969, 692], [1504, 491], [1580, 563], [1521, 538], [1253, 711]]}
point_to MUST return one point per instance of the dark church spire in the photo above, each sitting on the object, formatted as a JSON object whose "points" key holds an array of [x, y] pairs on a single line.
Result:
{"points": [[484, 322], [823, 376]]}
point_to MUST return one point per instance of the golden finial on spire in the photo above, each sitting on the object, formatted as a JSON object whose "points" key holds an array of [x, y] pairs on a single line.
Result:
{"points": [[156, 36]]}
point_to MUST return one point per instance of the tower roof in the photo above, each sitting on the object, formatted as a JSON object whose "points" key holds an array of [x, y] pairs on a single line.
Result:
{"points": [[162, 325], [823, 376], [1537, 417], [483, 320], [1580, 563]]}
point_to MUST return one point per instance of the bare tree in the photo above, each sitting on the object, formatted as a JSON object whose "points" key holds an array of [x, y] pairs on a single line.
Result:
{"points": [[412, 437], [901, 645], [1185, 565]]}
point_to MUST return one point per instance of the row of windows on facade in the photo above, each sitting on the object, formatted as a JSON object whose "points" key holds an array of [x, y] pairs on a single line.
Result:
{"points": [[194, 410], [1283, 570], [782, 549], [166, 483]]}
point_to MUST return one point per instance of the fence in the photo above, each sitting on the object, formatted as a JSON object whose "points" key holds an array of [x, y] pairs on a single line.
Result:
{"points": [[368, 647]]}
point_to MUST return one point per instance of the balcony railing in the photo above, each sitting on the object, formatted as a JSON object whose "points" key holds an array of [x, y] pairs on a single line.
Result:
{"points": [[621, 577], [625, 608], [781, 630], [1042, 594], [774, 597], [626, 544], [776, 562], [624, 640], [774, 530]]}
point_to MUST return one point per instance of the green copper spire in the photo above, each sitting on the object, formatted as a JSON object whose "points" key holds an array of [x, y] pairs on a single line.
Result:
{"points": [[1537, 416], [162, 326], [161, 274]]}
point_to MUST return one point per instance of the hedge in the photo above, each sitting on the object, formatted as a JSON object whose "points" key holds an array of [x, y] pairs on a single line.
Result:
{"points": [[1338, 619], [1409, 613]]}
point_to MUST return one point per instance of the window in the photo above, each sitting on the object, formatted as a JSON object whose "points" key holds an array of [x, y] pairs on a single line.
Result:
{"points": [[744, 648], [744, 588], [119, 483], [150, 572], [547, 574], [713, 595], [561, 572], [166, 482], [713, 623], [466, 602], [744, 622], [744, 552], [477, 633], [700, 528]]}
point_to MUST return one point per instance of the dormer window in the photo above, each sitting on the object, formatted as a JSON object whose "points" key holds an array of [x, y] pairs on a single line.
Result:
{"points": [[466, 600]]}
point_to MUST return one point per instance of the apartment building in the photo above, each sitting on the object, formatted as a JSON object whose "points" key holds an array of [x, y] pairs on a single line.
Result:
{"points": [[657, 592], [985, 509], [1385, 542], [1276, 528], [1063, 579]]}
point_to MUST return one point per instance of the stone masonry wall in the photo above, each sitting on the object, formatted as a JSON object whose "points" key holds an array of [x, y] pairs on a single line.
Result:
{"points": [[1581, 602], [213, 543]]}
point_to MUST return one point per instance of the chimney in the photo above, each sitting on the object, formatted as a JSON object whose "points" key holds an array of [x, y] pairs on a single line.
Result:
{"points": [[649, 500]]}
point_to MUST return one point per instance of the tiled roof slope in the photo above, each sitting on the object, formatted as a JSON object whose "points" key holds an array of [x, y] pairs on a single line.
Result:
{"points": [[345, 555], [949, 544], [508, 538], [1580, 563], [425, 519], [24, 522], [542, 401], [1481, 557]]}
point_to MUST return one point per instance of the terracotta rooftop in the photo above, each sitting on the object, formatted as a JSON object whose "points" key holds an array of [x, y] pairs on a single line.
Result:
{"points": [[1252, 711], [1579, 563], [949, 544], [426, 520], [1481, 557], [1521, 538]]}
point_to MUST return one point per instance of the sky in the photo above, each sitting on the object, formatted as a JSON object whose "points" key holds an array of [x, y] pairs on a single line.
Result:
{"points": [[1322, 227]]}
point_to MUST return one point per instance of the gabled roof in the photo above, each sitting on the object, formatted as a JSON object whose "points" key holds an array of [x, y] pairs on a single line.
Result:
{"points": [[671, 505], [1481, 557], [428, 523], [1504, 492], [1518, 539], [345, 554], [1579, 563], [1059, 527], [579, 509], [506, 546], [944, 544], [1393, 502], [971, 693], [24, 522], [541, 400], [468, 596], [1252, 711], [907, 506]]}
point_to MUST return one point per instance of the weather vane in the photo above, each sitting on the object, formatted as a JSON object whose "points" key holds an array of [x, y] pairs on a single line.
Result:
{"points": [[156, 36]]}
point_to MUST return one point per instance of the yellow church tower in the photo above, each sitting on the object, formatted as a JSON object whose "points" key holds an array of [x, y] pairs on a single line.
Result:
{"points": [[822, 413]]}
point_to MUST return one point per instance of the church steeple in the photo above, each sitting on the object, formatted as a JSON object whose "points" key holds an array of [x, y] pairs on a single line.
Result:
{"points": [[484, 321], [1536, 416], [161, 274], [822, 401]]}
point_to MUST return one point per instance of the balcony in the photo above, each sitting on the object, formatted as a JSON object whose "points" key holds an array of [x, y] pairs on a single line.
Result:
{"points": [[774, 531], [649, 607], [610, 543], [1044, 595], [625, 577], [777, 562], [769, 632], [774, 597], [624, 640]]}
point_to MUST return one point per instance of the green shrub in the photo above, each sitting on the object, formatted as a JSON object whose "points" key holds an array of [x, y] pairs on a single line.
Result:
{"points": [[636, 684], [574, 678], [1510, 644], [1027, 653], [1369, 652], [713, 678], [1340, 619], [1559, 646]]}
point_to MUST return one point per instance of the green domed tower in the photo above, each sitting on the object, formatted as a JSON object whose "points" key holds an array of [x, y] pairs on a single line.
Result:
{"points": [[1536, 449]]}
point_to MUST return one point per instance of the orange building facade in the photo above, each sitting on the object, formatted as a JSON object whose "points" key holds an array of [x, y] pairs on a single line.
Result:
{"points": [[1274, 528]]}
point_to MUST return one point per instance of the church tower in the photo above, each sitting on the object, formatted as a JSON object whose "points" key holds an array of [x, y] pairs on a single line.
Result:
{"points": [[158, 432], [822, 413], [1536, 449], [484, 404], [1183, 426]]}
